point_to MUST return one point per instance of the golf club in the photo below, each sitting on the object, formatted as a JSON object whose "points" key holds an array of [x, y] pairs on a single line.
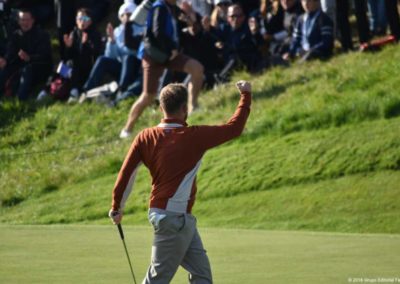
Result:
{"points": [[121, 233]]}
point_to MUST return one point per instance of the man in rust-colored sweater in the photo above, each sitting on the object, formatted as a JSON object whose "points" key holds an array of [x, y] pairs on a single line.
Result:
{"points": [[172, 151]]}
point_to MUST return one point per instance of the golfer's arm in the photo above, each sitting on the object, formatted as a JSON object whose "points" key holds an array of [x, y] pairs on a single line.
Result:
{"points": [[213, 136], [126, 177]]}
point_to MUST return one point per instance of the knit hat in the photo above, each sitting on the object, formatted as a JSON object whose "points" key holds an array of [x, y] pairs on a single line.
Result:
{"points": [[127, 7]]}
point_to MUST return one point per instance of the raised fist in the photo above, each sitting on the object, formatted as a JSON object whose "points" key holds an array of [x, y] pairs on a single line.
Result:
{"points": [[243, 86]]}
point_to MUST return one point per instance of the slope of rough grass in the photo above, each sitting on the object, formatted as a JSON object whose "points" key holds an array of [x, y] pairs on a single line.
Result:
{"points": [[311, 126]]}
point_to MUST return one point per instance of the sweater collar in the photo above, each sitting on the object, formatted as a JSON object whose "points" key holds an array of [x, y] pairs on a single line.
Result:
{"points": [[172, 123]]}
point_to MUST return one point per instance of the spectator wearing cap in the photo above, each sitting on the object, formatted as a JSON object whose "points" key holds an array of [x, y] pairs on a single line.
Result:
{"points": [[313, 34], [83, 46], [27, 60], [120, 57]]}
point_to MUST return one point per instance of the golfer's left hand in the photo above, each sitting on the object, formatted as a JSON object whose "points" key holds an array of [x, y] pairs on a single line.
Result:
{"points": [[116, 216]]}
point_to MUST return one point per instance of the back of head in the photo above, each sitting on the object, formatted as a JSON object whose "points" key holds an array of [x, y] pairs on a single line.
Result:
{"points": [[173, 97]]}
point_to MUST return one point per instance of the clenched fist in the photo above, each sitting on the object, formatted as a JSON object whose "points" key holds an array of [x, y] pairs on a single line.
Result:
{"points": [[243, 86]]}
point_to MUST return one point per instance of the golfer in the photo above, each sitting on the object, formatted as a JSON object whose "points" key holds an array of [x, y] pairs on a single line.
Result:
{"points": [[172, 151]]}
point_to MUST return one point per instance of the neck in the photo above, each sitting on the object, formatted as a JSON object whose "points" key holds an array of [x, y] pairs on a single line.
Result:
{"points": [[175, 117]]}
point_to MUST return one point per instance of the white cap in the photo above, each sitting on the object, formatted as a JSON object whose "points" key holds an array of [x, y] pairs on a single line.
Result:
{"points": [[127, 7], [216, 2]]}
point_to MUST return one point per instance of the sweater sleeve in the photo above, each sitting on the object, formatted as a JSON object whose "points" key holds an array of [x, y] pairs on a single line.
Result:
{"points": [[126, 177], [212, 136], [325, 45]]}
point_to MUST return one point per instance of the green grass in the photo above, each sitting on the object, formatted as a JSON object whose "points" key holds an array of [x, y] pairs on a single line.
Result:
{"points": [[321, 152], [95, 254]]}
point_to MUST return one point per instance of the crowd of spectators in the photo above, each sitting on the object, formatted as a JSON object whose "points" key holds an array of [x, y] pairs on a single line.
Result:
{"points": [[206, 38]]}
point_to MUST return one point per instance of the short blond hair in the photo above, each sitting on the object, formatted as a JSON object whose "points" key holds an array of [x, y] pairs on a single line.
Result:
{"points": [[172, 97]]}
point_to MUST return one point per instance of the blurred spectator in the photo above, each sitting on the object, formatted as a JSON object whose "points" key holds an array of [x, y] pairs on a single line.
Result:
{"points": [[66, 11], [343, 25], [392, 14], [5, 28], [257, 34], [219, 19], [248, 6], [280, 34], [362, 23], [83, 46], [239, 45], [43, 10], [377, 18], [198, 41], [292, 11], [159, 52], [329, 8], [361, 9], [201, 7], [313, 35], [27, 60], [120, 57], [273, 20]]}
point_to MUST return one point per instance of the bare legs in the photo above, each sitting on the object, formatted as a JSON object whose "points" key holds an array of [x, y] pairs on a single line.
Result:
{"points": [[196, 70], [137, 108], [192, 67]]}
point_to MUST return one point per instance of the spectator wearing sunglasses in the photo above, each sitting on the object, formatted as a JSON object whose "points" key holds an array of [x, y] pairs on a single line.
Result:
{"points": [[83, 46], [120, 57], [239, 46]]}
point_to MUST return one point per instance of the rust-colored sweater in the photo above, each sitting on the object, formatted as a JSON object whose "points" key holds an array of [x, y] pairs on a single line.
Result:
{"points": [[172, 151]]}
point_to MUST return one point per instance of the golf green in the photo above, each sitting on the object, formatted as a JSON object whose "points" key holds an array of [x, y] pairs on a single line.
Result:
{"points": [[95, 254]]}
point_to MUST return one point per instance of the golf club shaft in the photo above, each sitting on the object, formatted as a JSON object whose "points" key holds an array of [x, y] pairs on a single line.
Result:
{"points": [[121, 233]]}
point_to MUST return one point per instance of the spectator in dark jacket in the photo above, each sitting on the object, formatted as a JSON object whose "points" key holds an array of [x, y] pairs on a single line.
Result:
{"points": [[239, 43], [66, 11], [218, 18], [27, 60], [198, 40], [292, 11], [313, 35], [83, 46]]}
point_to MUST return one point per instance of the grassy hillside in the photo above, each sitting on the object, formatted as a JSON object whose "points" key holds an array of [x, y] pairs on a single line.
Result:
{"points": [[321, 151]]}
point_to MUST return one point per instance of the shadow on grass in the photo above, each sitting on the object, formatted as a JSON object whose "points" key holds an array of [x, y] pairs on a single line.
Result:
{"points": [[12, 110], [276, 90]]}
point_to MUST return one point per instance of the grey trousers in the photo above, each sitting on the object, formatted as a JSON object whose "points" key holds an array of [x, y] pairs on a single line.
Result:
{"points": [[176, 242]]}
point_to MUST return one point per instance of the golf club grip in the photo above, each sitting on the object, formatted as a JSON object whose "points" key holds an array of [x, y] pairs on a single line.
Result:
{"points": [[121, 233]]}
